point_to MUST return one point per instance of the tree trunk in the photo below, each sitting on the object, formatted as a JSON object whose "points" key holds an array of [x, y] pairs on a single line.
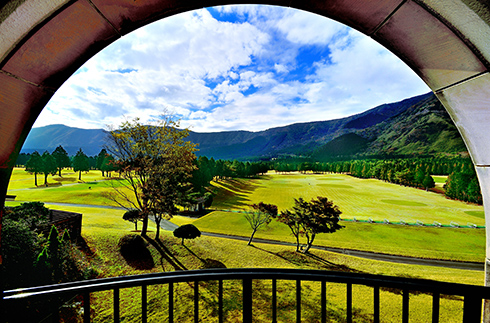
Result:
{"points": [[79, 175], [297, 243], [136, 225], [157, 222], [144, 229], [35, 179], [309, 244], [46, 180], [59, 171], [251, 237], [182, 241]]}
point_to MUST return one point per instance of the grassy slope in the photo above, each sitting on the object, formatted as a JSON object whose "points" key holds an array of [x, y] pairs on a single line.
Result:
{"points": [[359, 198], [362, 199]]}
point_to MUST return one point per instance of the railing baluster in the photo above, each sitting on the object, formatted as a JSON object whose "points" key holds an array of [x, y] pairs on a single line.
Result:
{"points": [[376, 304], [472, 309], [196, 301], [220, 301], [86, 307], [274, 300], [55, 315], [116, 305], [435, 307], [144, 304], [406, 309], [52, 295], [349, 303], [247, 300], [324, 301], [170, 302], [298, 301]]}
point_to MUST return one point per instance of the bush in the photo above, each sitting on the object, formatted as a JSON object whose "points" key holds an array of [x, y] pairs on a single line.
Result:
{"points": [[187, 231], [134, 250]]}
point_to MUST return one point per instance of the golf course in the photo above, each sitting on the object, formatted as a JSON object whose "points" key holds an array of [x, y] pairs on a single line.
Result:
{"points": [[373, 213]]}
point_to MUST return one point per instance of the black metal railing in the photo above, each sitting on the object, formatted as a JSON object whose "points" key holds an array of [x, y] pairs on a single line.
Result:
{"points": [[473, 296]]}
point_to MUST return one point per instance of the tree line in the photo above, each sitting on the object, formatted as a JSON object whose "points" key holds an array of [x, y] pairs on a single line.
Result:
{"points": [[206, 169], [462, 182]]}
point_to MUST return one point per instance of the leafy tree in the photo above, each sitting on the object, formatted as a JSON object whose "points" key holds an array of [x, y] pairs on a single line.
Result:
{"points": [[33, 214], [100, 160], [259, 215], [311, 218], [428, 182], [187, 231], [80, 163], [151, 158], [164, 192], [49, 166], [293, 221], [34, 165], [134, 216], [62, 158], [108, 165]]}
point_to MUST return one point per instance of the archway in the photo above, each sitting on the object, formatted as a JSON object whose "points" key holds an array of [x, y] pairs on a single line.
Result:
{"points": [[444, 42]]}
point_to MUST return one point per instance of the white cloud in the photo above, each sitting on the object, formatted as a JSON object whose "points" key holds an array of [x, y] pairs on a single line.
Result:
{"points": [[249, 74]]}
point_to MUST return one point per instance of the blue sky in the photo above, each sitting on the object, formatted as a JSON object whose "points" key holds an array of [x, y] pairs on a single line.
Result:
{"points": [[233, 68]]}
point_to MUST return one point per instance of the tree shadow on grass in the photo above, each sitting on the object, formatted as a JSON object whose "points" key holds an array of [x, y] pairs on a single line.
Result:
{"points": [[207, 263], [134, 250], [165, 254], [308, 260]]}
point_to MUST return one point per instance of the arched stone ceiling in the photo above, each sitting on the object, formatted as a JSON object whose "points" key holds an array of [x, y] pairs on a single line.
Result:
{"points": [[446, 42]]}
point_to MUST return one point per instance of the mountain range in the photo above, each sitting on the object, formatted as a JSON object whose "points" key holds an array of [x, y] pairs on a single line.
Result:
{"points": [[416, 126]]}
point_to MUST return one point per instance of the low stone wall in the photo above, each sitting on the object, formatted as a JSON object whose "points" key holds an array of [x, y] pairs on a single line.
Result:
{"points": [[64, 220]]}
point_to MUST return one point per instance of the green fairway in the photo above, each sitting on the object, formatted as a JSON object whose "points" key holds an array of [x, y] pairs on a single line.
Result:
{"points": [[360, 199], [357, 198], [65, 189]]}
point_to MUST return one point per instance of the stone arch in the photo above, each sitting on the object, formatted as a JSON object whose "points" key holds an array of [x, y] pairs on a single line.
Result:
{"points": [[444, 41]]}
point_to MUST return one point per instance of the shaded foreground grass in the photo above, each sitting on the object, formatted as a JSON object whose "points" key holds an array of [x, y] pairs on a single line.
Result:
{"points": [[207, 250], [102, 229]]}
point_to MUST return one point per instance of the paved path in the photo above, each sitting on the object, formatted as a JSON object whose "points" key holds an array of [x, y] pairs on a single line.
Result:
{"points": [[169, 226], [370, 255]]}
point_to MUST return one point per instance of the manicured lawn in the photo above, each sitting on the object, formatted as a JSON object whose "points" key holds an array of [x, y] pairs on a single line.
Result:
{"points": [[65, 189], [357, 198]]}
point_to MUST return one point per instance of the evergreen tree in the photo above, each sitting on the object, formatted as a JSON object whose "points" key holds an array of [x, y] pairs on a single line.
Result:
{"points": [[80, 163], [100, 160], [34, 165], [49, 166], [428, 182], [62, 159]]}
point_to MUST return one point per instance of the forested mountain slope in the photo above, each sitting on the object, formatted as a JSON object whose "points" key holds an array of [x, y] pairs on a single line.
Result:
{"points": [[417, 125]]}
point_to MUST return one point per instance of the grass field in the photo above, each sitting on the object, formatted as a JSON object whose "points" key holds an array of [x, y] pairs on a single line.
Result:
{"points": [[103, 227], [357, 198]]}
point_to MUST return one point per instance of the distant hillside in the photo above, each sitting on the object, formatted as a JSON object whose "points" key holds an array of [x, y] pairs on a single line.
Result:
{"points": [[418, 125], [72, 139]]}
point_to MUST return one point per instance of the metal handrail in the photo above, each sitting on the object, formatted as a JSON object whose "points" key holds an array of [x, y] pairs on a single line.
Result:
{"points": [[473, 295]]}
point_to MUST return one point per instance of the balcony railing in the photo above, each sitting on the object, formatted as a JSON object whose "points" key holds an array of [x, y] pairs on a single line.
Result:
{"points": [[472, 304]]}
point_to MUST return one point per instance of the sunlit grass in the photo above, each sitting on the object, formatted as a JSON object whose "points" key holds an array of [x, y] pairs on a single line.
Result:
{"points": [[357, 198]]}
